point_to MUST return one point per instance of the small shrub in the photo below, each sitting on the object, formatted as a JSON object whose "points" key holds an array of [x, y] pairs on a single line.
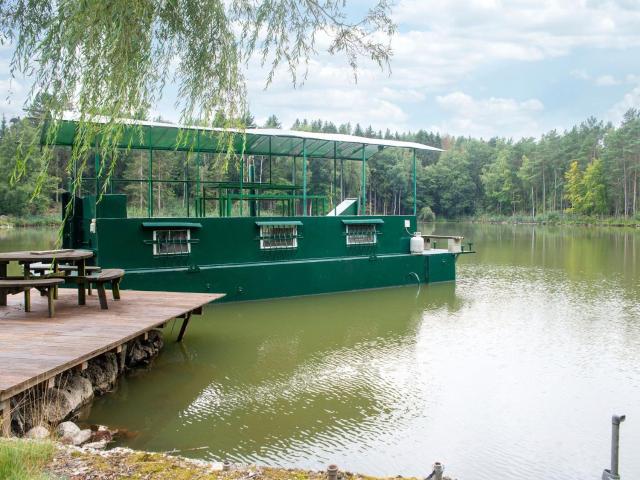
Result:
{"points": [[426, 215]]}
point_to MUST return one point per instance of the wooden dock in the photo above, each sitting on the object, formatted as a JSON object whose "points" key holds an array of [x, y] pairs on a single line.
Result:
{"points": [[35, 348]]}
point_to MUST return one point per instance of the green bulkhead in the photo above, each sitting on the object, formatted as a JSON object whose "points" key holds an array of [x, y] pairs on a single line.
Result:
{"points": [[250, 258]]}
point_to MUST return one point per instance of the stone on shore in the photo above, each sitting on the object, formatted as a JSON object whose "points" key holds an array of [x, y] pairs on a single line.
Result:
{"points": [[39, 432], [83, 436], [66, 431]]}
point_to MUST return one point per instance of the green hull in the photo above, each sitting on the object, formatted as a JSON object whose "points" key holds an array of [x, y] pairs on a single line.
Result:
{"points": [[226, 255], [256, 281]]}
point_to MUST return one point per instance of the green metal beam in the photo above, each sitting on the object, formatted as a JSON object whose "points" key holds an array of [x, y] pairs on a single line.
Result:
{"points": [[364, 181], [150, 173], [304, 176], [415, 185], [199, 213]]}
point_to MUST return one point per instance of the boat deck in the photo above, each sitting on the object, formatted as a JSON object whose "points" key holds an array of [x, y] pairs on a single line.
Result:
{"points": [[35, 348]]}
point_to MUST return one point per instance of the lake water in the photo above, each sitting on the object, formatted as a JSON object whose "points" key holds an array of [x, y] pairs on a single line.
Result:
{"points": [[512, 372]]}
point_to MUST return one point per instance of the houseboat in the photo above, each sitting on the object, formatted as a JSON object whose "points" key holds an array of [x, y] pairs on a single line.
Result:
{"points": [[171, 225]]}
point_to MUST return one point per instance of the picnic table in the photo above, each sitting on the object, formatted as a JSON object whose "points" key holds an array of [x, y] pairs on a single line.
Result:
{"points": [[54, 257]]}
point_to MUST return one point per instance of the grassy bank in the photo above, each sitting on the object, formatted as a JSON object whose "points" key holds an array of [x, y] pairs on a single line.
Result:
{"points": [[32, 460], [25, 460], [553, 218], [42, 220]]}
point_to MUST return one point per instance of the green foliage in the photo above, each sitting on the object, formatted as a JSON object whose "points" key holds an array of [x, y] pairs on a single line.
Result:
{"points": [[426, 215], [574, 188], [595, 189], [587, 192], [17, 199], [24, 459]]}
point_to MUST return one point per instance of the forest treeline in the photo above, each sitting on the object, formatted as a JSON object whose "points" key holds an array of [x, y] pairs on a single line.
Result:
{"points": [[590, 169]]}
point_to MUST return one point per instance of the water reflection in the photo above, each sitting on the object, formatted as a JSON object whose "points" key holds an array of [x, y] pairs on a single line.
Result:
{"points": [[514, 369]]}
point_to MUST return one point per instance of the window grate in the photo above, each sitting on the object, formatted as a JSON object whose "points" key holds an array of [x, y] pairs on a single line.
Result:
{"points": [[278, 237], [362, 234], [171, 242]]}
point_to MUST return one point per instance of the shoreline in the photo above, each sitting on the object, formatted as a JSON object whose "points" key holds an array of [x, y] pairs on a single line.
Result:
{"points": [[44, 459], [617, 222], [8, 223]]}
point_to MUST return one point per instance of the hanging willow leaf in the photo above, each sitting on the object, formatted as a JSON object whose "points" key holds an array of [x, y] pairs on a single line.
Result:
{"points": [[113, 58]]}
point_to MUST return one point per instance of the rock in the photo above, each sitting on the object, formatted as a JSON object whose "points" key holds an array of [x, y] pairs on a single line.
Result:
{"points": [[78, 390], [101, 433], [101, 445], [141, 352], [66, 431], [102, 372], [38, 432], [83, 436], [59, 403]]}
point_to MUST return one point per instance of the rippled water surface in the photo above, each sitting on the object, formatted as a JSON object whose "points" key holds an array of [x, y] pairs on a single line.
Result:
{"points": [[515, 369]]}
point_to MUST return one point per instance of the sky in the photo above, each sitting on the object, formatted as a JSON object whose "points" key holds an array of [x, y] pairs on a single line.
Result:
{"points": [[480, 68]]}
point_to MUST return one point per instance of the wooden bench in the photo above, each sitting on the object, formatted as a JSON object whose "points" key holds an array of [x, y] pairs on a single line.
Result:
{"points": [[42, 268], [46, 286], [108, 275], [50, 269]]}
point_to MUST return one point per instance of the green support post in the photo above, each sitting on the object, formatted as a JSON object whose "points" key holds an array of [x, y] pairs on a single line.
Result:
{"points": [[186, 183], [241, 179], [341, 179], [269, 161], [364, 181], [97, 173], [199, 203], [150, 191], [335, 181], [415, 185], [304, 177]]}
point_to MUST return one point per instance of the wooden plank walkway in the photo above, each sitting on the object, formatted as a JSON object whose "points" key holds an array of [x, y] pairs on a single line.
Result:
{"points": [[35, 348]]}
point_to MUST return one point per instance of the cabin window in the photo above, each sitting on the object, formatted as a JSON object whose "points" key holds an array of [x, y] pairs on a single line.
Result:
{"points": [[171, 242], [362, 234], [278, 237]]}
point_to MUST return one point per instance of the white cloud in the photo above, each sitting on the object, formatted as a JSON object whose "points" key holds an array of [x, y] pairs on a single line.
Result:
{"points": [[580, 74], [606, 81], [490, 116], [630, 100], [12, 96]]}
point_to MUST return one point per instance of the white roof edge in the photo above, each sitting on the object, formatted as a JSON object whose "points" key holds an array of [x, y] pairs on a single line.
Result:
{"points": [[270, 132]]}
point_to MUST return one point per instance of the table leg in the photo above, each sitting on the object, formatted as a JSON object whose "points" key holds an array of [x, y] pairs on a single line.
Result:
{"points": [[81, 285], [55, 271], [27, 290], [3, 274], [50, 300]]}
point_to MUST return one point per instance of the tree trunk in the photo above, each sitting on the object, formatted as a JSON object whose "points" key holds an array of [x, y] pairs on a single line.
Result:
{"points": [[533, 204], [544, 192], [635, 190], [625, 181]]}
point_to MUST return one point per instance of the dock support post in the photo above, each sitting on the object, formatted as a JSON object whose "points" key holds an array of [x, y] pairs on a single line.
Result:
{"points": [[5, 429], [183, 328]]}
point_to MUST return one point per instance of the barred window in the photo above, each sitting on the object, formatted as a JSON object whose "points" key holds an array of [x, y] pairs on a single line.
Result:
{"points": [[278, 236], [171, 242], [361, 234]]}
